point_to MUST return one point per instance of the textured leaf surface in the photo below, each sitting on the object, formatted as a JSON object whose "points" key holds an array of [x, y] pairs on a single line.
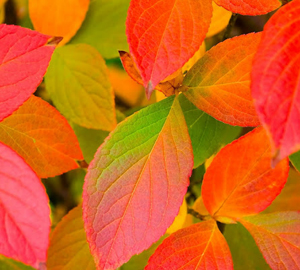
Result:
{"points": [[24, 58], [249, 7], [58, 18], [24, 210], [200, 246], [164, 35], [77, 81], [9, 264], [240, 180], [68, 248], [108, 37], [38, 133], [275, 80], [219, 83], [136, 183], [278, 238], [207, 134]]}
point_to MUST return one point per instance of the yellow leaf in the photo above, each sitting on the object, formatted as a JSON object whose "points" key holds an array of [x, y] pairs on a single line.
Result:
{"points": [[195, 58], [179, 219]]}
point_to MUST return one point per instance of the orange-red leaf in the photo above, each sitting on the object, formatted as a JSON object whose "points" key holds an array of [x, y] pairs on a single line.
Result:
{"points": [[136, 183], [163, 35], [24, 58], [249, 7], [240, 180], [24, 210], [43, 137], [275, 80], [278, 238], [219, 83], [200, 246]]}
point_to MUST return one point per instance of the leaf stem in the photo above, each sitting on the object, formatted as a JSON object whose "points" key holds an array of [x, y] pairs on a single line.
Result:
{"points": [[196, 214], [230, 26]]}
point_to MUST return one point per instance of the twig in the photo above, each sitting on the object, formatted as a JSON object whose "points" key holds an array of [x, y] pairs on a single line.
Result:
{"points": [[196, 214], [230, 26]]}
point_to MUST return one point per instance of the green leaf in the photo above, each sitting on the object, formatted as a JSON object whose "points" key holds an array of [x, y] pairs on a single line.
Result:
{"points": [[104, 27], [295, 159], [77, 81], [207, 134], [9, 264]]}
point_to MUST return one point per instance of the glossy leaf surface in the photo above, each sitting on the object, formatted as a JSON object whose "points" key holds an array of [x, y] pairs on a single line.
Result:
{"points": [[58, 18], [136, 183], [38, 133], [275, 80], [163, 35], [68, 248], [77, 81], [277, 236], [219, 83], [24, 59], [24, 210], [240, 180], [200, 246], [249, 7]]}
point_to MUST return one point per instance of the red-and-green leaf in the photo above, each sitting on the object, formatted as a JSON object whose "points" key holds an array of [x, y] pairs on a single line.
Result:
{"points": [[136, 183], [24, 210], [240, 180], [275, 80]]}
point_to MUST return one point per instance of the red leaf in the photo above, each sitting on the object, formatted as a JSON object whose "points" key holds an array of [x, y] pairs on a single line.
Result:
{"points": [[240, 180], [43, 137], [24, 58], [200, 246], [163, 35], [24, 210], [136, 183], [249, 7], [278, 238], [275, 80]]}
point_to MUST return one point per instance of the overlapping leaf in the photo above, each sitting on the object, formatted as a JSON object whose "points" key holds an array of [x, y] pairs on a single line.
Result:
{"points": [[136, 183], [278, 238], [240, 180], [249, 7], [163, 35], [77, 80], [58, 18], [9, 264], [200, 246], [219, 83], [68, 248], [24, 58], [24, 210], [275, 80], [38, 133]]}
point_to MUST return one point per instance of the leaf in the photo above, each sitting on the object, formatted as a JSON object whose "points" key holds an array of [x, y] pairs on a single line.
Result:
{"points": [[24, 58], [207, 134], [249, 7], [24, 210], [164, 35], [219, 20], [68, 248], [179, 219], [277, 236], [38, 133], [240, 180], [244, 250], [275, 80], [219, 83], [104, 27], [77, 81], [136, 183], [58, 18], [9, 264], [200, 246]]}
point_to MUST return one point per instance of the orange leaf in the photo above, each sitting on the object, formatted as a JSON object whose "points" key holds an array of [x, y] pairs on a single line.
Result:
{"points": [[275, 80], [249, 7], [163, 35], [240, 180], [219, 83], [278, 238], [38, 133], [200, 246], [58, 17]]}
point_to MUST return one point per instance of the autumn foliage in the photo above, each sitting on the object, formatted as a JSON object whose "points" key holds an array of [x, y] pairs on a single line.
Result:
{"points": [[201, 175]]}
